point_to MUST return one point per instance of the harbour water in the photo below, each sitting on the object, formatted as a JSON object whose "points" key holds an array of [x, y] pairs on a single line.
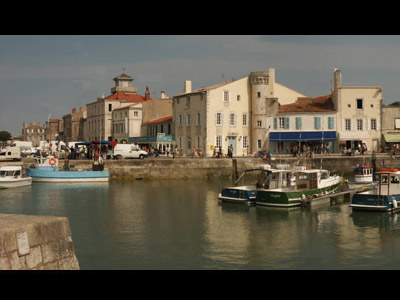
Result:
{"points": [[180, 225]]}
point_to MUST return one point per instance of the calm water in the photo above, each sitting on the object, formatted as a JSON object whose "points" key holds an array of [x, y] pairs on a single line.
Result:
{"points": [[179, 225]]}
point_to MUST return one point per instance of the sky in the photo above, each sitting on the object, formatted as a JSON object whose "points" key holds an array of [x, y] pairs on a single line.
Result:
{"points": [[46, 76]]}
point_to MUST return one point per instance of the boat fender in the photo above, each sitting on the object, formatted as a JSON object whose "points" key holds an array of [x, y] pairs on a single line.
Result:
{"points": [[394, 204], [52, 161]]}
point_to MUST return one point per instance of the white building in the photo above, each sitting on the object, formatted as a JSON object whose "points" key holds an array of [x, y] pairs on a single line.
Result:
{"points": [[308, 121], [229, 113]]}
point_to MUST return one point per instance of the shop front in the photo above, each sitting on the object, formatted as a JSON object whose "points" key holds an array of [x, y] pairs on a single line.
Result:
{"points": [[296, 141], [163, 143]]}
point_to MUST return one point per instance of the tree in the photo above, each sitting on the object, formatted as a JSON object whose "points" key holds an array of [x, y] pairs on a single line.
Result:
{"points": [[4, 136]]}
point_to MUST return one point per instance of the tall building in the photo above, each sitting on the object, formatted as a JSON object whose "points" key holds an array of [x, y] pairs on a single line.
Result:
{"points": [[74, 125], [34, 133], [231, 113], [358, 111], [99, 113]]}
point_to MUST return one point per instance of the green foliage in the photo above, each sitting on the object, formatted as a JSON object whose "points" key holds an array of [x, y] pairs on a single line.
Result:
{"points": [[5, 135]]}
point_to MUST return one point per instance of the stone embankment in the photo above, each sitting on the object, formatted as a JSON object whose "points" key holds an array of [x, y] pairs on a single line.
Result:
{"points": [[183, 168], [30, 242]]}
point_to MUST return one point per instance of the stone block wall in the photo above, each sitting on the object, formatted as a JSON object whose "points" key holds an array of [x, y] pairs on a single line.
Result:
{"points": [[30, 242]]}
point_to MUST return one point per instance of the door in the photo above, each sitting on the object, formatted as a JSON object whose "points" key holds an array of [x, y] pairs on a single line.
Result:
{"points": [[232, 142]]}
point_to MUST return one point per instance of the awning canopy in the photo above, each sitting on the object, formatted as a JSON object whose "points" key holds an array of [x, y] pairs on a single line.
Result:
{"points": [[392, 138], [300, 136]]}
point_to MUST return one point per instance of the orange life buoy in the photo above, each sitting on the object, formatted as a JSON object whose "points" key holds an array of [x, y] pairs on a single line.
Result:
{"points": [[52, 161]]}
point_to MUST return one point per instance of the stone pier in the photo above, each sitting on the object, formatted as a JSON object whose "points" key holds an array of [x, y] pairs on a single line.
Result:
{"points": [[30, 242]]}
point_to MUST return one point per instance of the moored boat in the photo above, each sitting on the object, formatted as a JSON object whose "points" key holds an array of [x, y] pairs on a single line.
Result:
{"points": [[385, 197], [310, 183], [46, 170], [363, 178], [247, 193], [13, 176]]}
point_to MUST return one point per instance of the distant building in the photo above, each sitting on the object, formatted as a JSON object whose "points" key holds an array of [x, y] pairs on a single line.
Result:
{"points": [[391, 126], [53, 129], [34, 132], [127, 122], [99, 113], [74, 125]]}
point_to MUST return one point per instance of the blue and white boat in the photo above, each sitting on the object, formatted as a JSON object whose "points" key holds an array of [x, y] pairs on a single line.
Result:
{"points": [[385, 197], [363, 178], [261, 178], [47, 170]]}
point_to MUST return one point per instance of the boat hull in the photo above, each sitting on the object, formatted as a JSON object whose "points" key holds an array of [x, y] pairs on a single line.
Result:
{"points": [[245, 195], [6, 184], [373, 202], [291, 198], [48, 175]]}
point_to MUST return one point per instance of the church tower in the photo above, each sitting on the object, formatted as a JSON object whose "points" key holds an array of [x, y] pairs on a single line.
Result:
{"points": [[123, 84]]}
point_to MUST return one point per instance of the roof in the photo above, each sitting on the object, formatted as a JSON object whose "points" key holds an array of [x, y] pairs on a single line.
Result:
{"points": [[160, 120], [127, 106], [308, 104], [127, 97]]}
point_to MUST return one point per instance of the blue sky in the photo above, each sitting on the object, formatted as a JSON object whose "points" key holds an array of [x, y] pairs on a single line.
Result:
{"points": [[51, 74]]}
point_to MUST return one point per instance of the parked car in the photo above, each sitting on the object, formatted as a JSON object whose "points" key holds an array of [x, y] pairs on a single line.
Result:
{"points": [[128, 151]]}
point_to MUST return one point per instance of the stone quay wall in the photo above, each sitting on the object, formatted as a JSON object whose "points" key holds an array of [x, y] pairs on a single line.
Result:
{"points": [[30, 242]]}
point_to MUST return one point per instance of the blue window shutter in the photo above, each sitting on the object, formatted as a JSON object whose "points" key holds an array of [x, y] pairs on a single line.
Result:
{"points": [[275, 123], [286, 123]]}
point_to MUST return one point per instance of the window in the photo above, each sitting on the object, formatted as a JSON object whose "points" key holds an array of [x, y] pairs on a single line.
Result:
{"points": [[258, 94], [180, 120], [232, 119], [218, 141], [348, 124], [259, 144], [188, 120], [180, 142], [238, 97], [298, 122], [169, 128], [110, 107], [198, 142], [281, 122], [317, 122], [359, 103], [218, 119], [259, 123], [244, 142], [135, 113], [198, 118], [226, 96], [373, 124], [244, 119], [359, 124], [331, 122], [189, 144]]}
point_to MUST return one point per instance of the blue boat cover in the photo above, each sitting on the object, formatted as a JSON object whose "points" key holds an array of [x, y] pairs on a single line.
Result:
{"points": [[302, 136]]}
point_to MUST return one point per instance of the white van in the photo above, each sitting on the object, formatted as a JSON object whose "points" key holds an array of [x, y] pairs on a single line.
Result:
{"points": [[10, 153], [128, 151]]}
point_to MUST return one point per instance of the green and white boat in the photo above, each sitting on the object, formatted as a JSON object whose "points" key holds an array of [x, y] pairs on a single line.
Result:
{"points": [[310, 183]]}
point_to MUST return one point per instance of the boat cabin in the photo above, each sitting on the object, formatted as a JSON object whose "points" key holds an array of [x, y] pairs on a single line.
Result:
{"points": [[389, 182], [363, 173], [307, 178], [275, 179], [11, 171]]}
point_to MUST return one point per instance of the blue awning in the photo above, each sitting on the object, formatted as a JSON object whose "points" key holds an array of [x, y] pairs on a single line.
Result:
{"points": [[303, 136]]}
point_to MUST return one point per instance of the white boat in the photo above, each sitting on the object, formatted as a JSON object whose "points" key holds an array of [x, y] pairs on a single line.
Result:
{"points": [[46, 170], [363, 178], [13, 176]]}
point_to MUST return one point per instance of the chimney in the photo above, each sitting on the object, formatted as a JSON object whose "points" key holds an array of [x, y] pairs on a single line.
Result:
{"points": [[74, 110], [271, 83], [337, 79], [147, 94], [188, 86]]}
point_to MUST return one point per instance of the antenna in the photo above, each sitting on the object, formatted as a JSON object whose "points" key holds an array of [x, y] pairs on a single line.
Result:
{"points": [[123, 70]]}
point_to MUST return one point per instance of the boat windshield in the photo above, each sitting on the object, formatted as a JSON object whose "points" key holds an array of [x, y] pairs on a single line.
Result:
{"points": [[7, 173]]}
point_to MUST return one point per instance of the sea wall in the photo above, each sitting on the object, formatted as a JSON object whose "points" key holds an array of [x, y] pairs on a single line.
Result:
{"points": [[182, 168], [30, 242]]}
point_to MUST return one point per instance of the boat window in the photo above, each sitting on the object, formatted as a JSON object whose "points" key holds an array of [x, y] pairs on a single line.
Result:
{"points": [[324, 175], [2, 153], [384, 179], [394, 179], [17, 173], [3, 173]]}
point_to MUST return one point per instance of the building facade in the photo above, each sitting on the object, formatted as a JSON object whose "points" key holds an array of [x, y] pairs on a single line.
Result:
{"points": [[74, 125], [127, 122], [308, 124], [231, 113], [99, 113], [34, 133], [390, 126], [358, 114]]}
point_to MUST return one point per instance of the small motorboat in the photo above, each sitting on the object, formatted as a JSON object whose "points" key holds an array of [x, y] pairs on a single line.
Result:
{"points": [[13, 176]]}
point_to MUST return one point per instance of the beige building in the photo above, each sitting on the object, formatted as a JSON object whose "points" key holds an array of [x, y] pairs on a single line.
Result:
{"points": [[74, 125], [391, 126], [34, 133], [358, 114], [99, 113], [231, 113], [127, 122]]}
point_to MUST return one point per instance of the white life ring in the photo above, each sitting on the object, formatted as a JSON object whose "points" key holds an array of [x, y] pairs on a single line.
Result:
{"points": [[52, 161]]}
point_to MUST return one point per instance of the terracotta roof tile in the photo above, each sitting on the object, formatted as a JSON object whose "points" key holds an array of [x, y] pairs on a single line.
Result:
{"points": [[124, 96], [308, 104], [160, 120]]}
